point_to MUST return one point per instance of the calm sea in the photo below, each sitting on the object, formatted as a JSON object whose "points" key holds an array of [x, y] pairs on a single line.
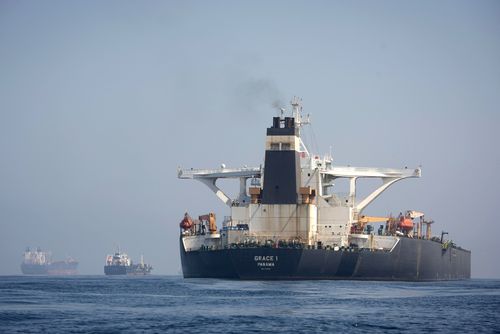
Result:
{"points": [[160, 304]]}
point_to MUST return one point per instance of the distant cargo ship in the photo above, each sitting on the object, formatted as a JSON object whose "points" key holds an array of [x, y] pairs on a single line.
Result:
{"points": [[291, 222], [120, 264], [38, 262]]}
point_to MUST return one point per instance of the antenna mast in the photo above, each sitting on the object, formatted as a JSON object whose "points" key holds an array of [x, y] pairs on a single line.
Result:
{"points": [[297, 112]]}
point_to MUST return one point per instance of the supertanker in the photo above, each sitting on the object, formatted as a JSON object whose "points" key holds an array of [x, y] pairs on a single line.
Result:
{"points": [[289, 222]]}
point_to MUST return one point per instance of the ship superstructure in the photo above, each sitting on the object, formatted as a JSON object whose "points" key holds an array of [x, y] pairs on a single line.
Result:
{"points": [[35, 262], [288, 221]]}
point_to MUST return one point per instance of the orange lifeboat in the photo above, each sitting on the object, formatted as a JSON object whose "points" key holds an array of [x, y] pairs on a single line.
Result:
{"points": [[406, 223], [186, 223]]}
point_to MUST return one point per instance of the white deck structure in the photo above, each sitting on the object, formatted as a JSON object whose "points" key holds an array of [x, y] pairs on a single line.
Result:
{"points": [[327, 218]]}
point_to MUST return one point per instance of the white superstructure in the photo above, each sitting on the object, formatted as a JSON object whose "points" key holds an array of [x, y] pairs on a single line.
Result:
{"points": [[36, 257], [314, 215]]}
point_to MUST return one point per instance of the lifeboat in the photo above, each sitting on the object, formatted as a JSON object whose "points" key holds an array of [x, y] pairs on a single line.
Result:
{"points": [[405, 223], [186, 223]]}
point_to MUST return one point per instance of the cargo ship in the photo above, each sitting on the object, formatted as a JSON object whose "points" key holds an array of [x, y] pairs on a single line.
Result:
{"points": [[38, 262], [289, 221], [120, 264]]}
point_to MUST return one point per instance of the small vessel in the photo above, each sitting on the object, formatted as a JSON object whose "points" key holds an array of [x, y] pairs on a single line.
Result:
{"points": [[120, 264], [289, 221], [38, 262]]}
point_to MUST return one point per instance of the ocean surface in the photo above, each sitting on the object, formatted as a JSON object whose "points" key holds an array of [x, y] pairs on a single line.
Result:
{"points": [[171, 304]]}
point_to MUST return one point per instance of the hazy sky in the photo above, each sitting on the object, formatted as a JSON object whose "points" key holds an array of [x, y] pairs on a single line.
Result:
{"points": [[101, 101]]}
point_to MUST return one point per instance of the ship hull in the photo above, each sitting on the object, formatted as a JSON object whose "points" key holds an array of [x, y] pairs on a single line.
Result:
{"points": [[126, 270], [63, 268], [34, 269], [410, 260], [115, 270], [57, 268]]}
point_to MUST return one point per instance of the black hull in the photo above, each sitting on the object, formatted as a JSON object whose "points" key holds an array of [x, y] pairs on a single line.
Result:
{"points": [[115, 270], [126, 270], [410, 260]]}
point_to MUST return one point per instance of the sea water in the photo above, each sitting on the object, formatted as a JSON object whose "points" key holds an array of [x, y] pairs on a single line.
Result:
{"points": [[171, 304]]}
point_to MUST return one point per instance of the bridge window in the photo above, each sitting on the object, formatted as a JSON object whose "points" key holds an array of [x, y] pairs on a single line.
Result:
{"points": [[280, 146]]}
